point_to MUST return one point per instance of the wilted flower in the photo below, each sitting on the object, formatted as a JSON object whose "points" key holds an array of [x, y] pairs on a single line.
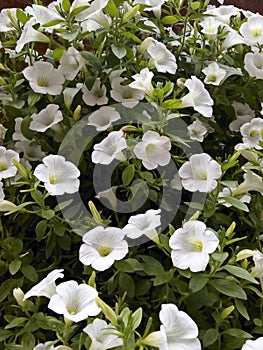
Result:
{"points": [[102, 246], [191, 246], [200, 173], [59, 176]]}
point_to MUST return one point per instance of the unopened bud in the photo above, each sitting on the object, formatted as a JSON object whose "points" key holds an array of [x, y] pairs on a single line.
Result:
{"points": [[19, 296]]}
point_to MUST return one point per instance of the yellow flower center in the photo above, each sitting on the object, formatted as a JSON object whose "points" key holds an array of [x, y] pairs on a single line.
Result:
{"points": [[42, 82], [52, 179], [198, 246], [254, 133], [202, 175], [256, 32], [212, 78], [3, 166], [104, 250]]}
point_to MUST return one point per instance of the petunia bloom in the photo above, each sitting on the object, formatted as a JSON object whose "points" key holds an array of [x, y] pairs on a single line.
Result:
{"points": [[143, 81], [143, 224], [7, 167], [103, 118], [44, 78], [76, 302], [46, 118], [191, 246], [110, 148], [103, 336], [47, 286], [200, 173], [253, 64], [71, 63], [102, 246], [153, 150], [253, 344], [59, 176], [198, 97], [252, 132]]}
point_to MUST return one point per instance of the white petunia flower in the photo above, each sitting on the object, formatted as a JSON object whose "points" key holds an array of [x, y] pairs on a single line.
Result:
{"points": [[198, 97], [102, 246], [103, 118], [102, 335], [153, 150], [152, 5], [125, 94], [29, 34], [197, 131], [253, 64], [2, 194], [257, 270], [95, 96], [76, 302], [143, 224], [222, 13], [45, 346], [59, 176], [161, 58], [143, 81], [44, 14], [47, 118], [31, 150], [253, 344], [252, 30], [210, 27], [110, 148], [44, 78], [17, 135], [244, 114], [95, 21], [7, 19], [69, 93], [252, 182], [191, 246], [71, 63], [200, 173], [7, 168], [252, 133], [214, 74], [178, 331], [47, 286]]}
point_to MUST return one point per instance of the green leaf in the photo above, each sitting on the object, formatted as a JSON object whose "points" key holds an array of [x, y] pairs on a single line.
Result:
{"points": [[197, 282], [131, 36], [69, 36], [171, 104], [220, 257], [239, 272], [242, 309], [77, 10], [170, 19], [38, 197], [30, 273], [66, 5], [128, 265], [119, 51], [21, 16], [229, 288], [136, 318], [52, 23], [163, 277], [92, 60], [238, 333], [47, 214], [41, 229], [126, 284], [210, 336], [17, 322], [14, 266], [128, 174], [151, 266], [57, 53], [111, 9], [236, 203], [33, 98]]}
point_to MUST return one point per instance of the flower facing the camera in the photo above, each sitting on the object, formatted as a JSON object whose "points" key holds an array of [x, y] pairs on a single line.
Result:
{"points": [[59, 176], [102, 246], [110, 148], [177, 331], [214, 74], [153, 150], [76, 302], [253, 344], [161, 58], [252, 30], [198, 97], [200, 173], [46, 118], [252, 133], [125, 94], [44, 78], [191, 246], [7, 167], [96, 95], [71, 63], [103, 336], [253, 64], [197, 131], [47, 286]]}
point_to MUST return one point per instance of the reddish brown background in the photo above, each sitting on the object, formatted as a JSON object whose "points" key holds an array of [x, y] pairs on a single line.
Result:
{"points": [[252, 5]]}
